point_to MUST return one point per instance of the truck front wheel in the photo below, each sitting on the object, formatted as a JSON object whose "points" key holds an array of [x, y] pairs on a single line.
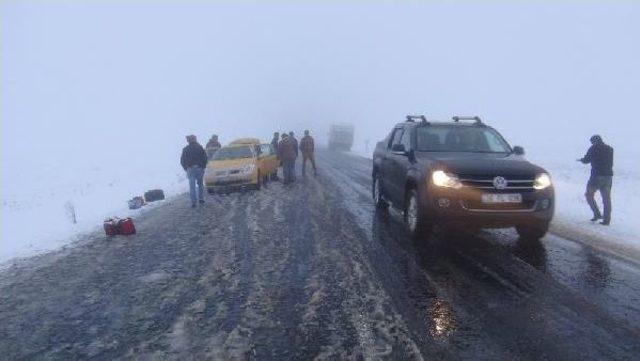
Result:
{"points": [[414, 216]]}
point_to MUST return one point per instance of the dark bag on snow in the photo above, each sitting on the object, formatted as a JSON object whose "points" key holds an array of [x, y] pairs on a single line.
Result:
{"points": [[136, 202], [154, 195]]}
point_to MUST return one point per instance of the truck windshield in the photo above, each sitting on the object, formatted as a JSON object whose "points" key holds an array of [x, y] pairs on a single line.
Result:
{"points": [[436, 138], [233, 153]]}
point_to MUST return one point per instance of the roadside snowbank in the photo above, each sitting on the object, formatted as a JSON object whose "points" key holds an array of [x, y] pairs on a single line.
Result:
{"points": [[35, 211]]}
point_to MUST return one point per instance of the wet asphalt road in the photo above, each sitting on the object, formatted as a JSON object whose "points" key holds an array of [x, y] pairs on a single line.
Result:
{"points": [[314, 271]]}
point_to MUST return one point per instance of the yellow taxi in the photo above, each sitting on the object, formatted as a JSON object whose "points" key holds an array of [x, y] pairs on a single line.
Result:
{"points": [[242, 164]]}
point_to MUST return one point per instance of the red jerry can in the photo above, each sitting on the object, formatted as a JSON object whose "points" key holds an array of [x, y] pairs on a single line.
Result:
{"points": [[126, 226], [110, 227]]}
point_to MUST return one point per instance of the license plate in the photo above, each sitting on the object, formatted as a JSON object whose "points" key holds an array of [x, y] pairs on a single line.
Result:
{"points": [[501, 198]]}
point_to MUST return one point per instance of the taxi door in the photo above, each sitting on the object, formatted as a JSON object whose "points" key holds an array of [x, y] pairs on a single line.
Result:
{"points": [[267, 159]]}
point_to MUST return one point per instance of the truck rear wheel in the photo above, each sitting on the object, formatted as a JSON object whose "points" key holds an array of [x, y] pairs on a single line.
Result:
{"points": [[378, 196]]}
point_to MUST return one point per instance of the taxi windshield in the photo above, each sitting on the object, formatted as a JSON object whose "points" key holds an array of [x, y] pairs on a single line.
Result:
{"points": [[233, 153]]}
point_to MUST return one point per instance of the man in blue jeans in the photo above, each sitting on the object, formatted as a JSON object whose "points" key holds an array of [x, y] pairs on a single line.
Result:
{"points": [[194, 161], [600, 156], [287, 155]]}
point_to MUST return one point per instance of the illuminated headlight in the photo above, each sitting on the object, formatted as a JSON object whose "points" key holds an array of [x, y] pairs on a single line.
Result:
{"points": [[542, 181], [442, 179], [248, 169]]}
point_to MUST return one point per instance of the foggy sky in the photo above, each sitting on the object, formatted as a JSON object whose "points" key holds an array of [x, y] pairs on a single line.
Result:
{"points": [[96, 81]]}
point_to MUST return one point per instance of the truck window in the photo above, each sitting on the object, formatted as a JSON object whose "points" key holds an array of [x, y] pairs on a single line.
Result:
{"points": [[397, 135], [406, 139]]}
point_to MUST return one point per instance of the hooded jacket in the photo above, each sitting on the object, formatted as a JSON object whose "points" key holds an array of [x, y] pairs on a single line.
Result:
{"points": [[600, 155]]}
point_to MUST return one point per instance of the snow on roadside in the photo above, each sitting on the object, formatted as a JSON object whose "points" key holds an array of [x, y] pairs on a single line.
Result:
{"points": [[34, 212]]}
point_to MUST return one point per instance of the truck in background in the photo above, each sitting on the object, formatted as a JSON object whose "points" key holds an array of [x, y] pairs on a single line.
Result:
{"points": [[341, 137]]}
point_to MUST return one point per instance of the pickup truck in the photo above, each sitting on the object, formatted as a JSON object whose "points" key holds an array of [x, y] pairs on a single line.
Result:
{"points": [[460, 173]]}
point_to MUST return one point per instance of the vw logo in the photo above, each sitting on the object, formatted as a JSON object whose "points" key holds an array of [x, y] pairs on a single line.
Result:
{"points": [[500, 182]]}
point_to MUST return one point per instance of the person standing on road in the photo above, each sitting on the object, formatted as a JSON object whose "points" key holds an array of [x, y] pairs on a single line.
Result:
{"points": [[212, 146], [307, 148], [287, 155], [600, 156], [274, 142], [292, 137], [194, 161], [213, 143]]}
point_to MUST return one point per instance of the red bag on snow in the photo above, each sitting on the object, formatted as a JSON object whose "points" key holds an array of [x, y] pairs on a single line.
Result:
{"points": [[115, 226], [110, 227], [126, 226]]}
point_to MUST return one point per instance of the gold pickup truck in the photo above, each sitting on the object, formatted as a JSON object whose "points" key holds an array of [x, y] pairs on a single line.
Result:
{"points": [[242, 164]]}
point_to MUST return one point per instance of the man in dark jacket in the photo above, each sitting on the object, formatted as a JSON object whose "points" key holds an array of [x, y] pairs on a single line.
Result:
{"points": [[212, 146], [194, 161], [295, 145], [287, 154], [600, 156], [213, 142], [307, 148]]}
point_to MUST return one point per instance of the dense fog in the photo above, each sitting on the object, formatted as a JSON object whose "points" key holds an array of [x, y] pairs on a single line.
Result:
{"points": [[108, 79]]}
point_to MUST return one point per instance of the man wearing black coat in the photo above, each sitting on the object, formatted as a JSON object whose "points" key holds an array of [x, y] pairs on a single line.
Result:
{"points": [[194, 161], [295, 145], [600, 156]]}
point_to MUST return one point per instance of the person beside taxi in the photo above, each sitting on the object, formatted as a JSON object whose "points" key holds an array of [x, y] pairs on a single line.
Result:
{"points": [[287, 154], [194, 161]]}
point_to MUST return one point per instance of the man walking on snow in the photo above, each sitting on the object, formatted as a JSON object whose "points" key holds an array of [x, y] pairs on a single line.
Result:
{"points": [[307, 149], [194, 161], [600, 156]]}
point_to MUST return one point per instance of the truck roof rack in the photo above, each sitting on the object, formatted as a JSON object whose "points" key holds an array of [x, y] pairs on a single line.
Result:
{"points": [[412, 118], [476, 118]]}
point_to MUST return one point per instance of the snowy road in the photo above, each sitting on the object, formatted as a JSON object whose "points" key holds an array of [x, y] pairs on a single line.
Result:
{"points": [[312, 271]]}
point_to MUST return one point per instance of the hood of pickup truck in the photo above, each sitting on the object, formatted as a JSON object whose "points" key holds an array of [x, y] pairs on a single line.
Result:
{"points": [[482, 164]]}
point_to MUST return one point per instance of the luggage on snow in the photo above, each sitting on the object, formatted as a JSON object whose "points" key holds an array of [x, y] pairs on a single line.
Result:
{"points": [[115, 226], [110, 227], [136, 202], [154, 195]]}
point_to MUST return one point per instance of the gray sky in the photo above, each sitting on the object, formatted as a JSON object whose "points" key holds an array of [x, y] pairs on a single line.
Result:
{"points": [[127, 77]]}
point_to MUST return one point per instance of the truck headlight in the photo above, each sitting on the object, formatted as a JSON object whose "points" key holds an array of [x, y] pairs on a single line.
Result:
{"points": [[447, 180], [542, 181]]}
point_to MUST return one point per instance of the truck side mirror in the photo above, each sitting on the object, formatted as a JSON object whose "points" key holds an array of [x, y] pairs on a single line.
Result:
{"points": [[518, 150]]}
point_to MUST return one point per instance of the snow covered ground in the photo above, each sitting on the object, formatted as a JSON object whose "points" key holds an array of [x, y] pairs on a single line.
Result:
{"points": [[35, 215]]}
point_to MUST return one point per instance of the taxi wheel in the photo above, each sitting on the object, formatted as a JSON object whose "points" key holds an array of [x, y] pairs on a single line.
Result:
{"points": [[259, 182]]}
